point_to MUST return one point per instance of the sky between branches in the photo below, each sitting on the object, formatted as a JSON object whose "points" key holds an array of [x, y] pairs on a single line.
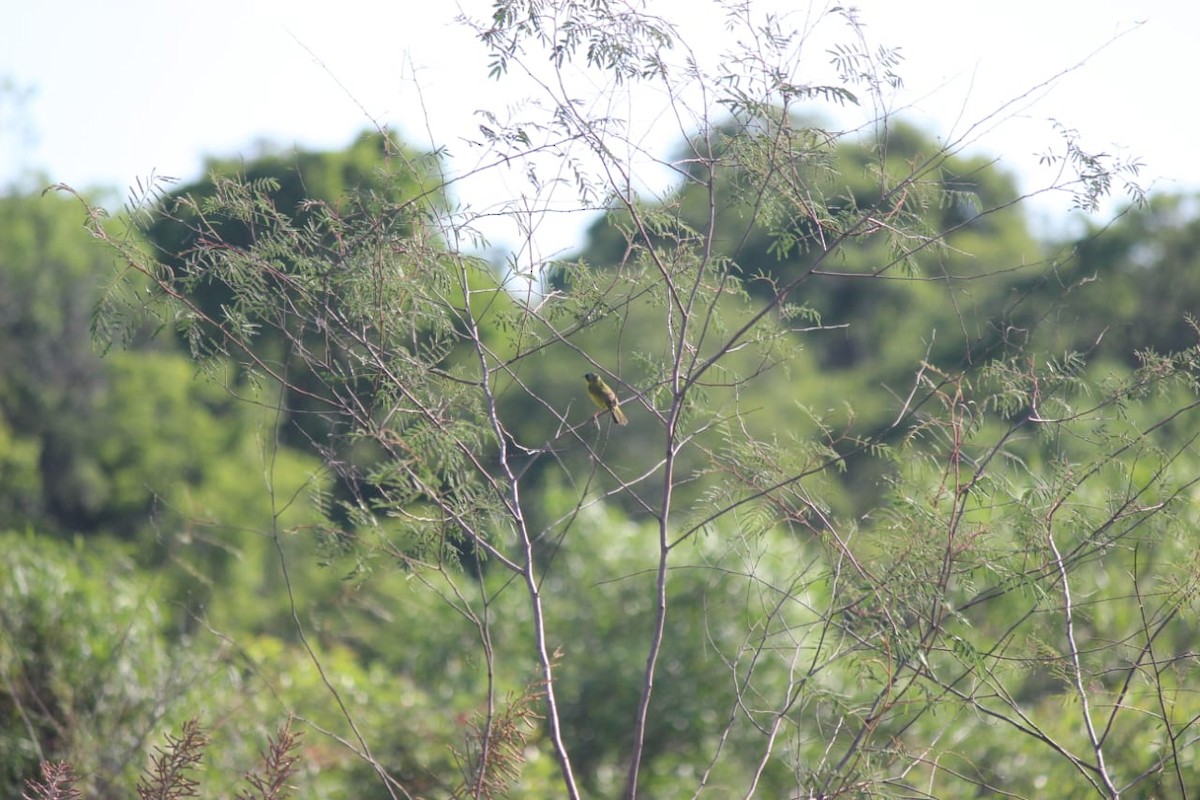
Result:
{"points": [[124, 91]]}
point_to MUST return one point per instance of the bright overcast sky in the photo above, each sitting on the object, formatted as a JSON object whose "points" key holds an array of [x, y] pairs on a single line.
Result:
{"points": [[126, 89]]}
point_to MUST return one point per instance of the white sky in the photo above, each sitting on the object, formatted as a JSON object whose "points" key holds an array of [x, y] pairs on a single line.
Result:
{"points": [[123, 90]]}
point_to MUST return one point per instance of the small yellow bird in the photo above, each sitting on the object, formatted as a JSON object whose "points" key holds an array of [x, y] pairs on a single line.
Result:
{"points": [[604, 397]]}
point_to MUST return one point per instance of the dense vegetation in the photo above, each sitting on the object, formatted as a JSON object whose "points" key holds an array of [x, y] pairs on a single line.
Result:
{"points": [[905, 506]]}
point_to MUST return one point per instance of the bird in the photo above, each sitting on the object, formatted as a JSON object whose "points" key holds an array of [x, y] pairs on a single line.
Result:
{"points": [[604, 397]]}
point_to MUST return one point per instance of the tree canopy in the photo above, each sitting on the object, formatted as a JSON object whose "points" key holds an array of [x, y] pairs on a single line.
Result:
{"points": [[905, 505]]}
